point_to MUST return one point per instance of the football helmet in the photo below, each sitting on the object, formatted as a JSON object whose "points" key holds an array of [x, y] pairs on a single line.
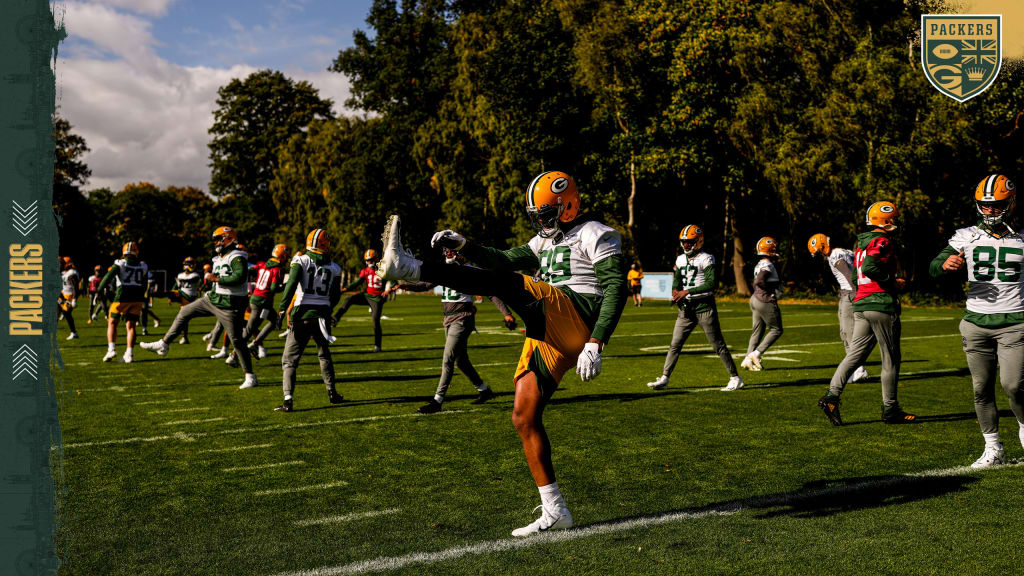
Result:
{"points": [[281, 252], [767, 246], [452, 257], [189, 264], [97, 268], [130, 248], [65, 263], [882, 215], [691, 239], [819, 244], [997, 193], [551, 198], [317, 241], [370, 255], [224, 238], [207, 268]]}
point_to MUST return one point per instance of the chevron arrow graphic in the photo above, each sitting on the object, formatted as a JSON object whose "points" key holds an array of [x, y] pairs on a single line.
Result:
{"points": [[25, 361], [25, 219]]}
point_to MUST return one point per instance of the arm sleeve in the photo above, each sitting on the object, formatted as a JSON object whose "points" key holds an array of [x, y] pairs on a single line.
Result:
{"points": [[107, 278], [289, 288], [354, 285], [846, 271], [238, 273], [612, 279], [709, 282], [501, 306], [334, 293], [416, 286], [935, 268], [677, 278], [518, 258]]}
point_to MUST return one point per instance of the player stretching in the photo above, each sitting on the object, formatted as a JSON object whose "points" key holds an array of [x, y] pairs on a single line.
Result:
{"points": [[268, 281], [97, 299], [373, 295], [68, 300], [186, 289], [764, 304], [876, 315], [315, 283], [570, 310], [226, 302], [993, 323], [131, 277], [693, 290], [840, 262]]}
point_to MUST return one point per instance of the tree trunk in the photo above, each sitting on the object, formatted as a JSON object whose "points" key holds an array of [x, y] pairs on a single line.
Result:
{"points": [[629, 205], [742, 287]]}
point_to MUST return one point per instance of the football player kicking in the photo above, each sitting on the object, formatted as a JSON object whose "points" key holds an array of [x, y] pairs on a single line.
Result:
{"points": [[459, 324], [131, 276], [840, 262], [68, 300], [373, 295], [876, 315], [186, 289], [315, 282], [570, 310], [993, 322], [227, 301], [764, 305], [693, 290]]}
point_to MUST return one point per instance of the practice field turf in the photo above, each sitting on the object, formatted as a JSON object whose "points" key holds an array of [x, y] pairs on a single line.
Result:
{"points": [[170, 469]]}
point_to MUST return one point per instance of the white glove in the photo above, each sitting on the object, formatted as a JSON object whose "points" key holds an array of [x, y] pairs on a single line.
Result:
{"points": [[74, 303], [448, 239], [588, 365]]}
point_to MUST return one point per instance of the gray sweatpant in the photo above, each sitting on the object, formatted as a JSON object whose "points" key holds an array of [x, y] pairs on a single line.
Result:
{"points": [[766, 315], [298, 338], [231, 320], [255, 319], [870, 327], [686, 321], [846, 318], [985, 347], [456, 340]]}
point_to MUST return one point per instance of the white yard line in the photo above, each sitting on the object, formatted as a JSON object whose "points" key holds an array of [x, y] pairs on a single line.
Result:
{"points": [[163, 401], [236, 448], [201, 421], [196, 409], [345, 517], [188, 437], [263, 466], [147, 394], [118, 388], [387, 563], [295, 489]]}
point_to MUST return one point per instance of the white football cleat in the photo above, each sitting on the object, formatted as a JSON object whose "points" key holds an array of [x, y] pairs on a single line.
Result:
{"points": [[559, 520], [397, 263], [156, 323], [232, 360], [659, 383], [158, 346], [1020, 433], [250, 382], [992, 456], [207, 337], [183, 340], [223, 353], [72, 336], [735, 383], [261, 352], [127, 358], [859, 374], [749, 364], [109, 355]]}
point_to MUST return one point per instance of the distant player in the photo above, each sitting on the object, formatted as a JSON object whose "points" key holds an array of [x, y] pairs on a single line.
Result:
{"points": [[186, 289], [840, 262], [693, 290], [764, 304], [129, 274], [269, 279], [68, 300], [226, 301], [315, 283], [459, 324], [97, 299], [373, 295], [993, 323], [147, 304], [876, 315], [570, 309], [634, 276]]}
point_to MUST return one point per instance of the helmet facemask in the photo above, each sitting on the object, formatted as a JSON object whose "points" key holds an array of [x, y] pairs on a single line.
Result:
{"points": [[545, 218], [689, 246], [1001, 210], [220, 242]]}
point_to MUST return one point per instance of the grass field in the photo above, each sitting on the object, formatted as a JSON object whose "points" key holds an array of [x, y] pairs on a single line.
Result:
{"points": [[170, 469]]}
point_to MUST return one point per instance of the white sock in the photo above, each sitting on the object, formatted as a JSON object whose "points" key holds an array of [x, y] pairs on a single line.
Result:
{"points": [[287, 397], [250, 376], [111, 346], [991, 440], [755, 354], [224, 349], [551, 496], [438, 398]]}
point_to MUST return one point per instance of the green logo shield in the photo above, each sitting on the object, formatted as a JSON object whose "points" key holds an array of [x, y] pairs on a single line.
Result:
{"points": [[961, 54]]}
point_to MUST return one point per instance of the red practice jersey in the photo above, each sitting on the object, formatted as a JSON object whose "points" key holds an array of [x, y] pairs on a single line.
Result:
{"points": [[264, 278], [374, 283]]}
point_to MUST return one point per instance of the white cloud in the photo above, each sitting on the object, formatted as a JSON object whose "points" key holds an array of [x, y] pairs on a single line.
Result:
{"points": [[151, 7], [143, 117]]}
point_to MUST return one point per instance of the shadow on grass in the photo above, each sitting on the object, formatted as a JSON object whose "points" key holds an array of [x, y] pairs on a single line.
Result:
{"points": [[958, 417]]}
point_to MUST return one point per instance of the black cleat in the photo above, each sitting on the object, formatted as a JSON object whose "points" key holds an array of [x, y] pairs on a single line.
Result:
{"points": [[286, 407], [829, 404], [485, 395], [335, 398], [896, 415], [431, 407]]}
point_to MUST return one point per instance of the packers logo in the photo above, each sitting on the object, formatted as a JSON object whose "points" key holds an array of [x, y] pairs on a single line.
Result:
{"points": [[559, 185], [961, 54], [886, 209]]}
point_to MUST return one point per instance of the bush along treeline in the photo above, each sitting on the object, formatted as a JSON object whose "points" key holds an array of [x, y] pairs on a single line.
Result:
{"points": [[749, 118]]}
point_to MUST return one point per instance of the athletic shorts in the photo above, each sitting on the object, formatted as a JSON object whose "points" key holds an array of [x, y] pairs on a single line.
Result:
{"points": [[562, 334], [130, 310], [634, 290]]}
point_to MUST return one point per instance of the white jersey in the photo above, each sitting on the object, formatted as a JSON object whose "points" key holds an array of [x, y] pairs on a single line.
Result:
{"points": [[691, 272], [69, 282], [313, 286], [570, 261], [188, 283], [222, 268], [132, 275], [993, 269], [842, 255]]}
